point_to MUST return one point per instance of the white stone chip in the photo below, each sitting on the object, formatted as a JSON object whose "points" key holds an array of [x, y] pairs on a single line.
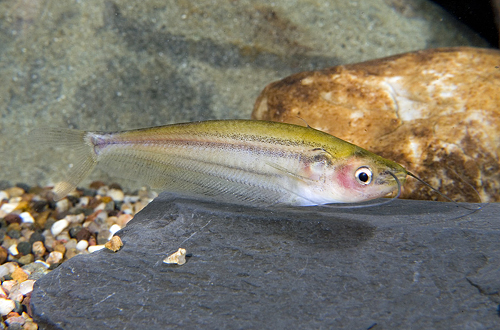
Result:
{"points": [[94, 248], [82, 245], [13, 250], [4, 195], [54, 257], [114, 229], [9, 207], [59, 226], [26, 287], [75, 218], [26, 217], [116, 194], [6, 306]]}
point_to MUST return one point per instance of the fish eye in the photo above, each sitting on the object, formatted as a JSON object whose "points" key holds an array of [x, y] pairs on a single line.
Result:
{"points": [[364, 175]]}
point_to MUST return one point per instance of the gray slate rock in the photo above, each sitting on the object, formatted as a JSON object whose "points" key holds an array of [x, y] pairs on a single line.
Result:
{"points": [[408, 264]]}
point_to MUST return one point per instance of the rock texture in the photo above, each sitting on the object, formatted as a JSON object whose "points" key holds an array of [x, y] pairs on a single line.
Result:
{"points": [[115, 65], [409, 264], [436, 112]]}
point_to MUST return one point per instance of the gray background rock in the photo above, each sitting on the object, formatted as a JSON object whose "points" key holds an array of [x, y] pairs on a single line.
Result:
{"points": [[405, 265], [114, 65]]}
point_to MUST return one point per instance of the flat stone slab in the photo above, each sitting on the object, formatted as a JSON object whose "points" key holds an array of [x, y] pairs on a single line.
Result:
{"points": [[407, 264]]}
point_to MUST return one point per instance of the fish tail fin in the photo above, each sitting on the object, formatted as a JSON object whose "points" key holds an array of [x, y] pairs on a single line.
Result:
{"points": [[81, 143]]}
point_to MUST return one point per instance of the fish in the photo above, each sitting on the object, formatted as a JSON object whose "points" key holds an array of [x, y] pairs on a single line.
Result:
{"points": [[250, 162]]}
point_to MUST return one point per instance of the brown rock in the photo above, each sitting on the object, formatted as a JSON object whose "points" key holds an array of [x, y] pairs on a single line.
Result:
{"points": [[83, 233], [41, 219], [3, 255], [436, 112], [114, 244], [38, 249], [19, 275], [60, 248], [12, 218]]}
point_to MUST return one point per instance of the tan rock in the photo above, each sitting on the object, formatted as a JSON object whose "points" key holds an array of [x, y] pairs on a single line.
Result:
{"points": [[436, 112], [114, 244], [178, 257]]}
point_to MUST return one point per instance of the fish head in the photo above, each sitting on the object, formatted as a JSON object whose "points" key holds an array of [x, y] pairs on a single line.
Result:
{"points": [[358, 177]]}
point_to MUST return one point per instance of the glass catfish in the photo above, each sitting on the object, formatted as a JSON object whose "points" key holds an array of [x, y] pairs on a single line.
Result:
{"points": [[248, 162]]}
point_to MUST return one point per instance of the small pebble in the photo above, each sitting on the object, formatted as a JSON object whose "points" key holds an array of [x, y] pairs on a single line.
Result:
{"points": [[116, 194], [70, 253], [9, 207], [4, 271], [71, 244], [82, 245], [59, 226], [19, 275], [63, 205], [15, 191], [54, 257], [123, 219], [103, 236], [26, 217], [83, 234], [13, 250], [36, 237], [13, 233], [75, 218], [114, 229], [8, 285], [11, 321], [95, 248], [178, 257], [24, 248], [26, 287], [114, 244], [6, 306], [12, 218], [59, 247], [3, 255], [4, 195], [15, 295], [27, 259]]}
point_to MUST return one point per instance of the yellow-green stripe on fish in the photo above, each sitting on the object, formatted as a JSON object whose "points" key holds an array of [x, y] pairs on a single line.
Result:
{"points": [[234, 161]]}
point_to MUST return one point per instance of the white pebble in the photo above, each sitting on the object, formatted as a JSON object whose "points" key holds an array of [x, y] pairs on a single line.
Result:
{"points": [[26, 217], [4, 195], [114, 229], [94, 248], [116, 194], [82, 245], [101, 217], [100, 207], [59, 226], [3, 271], [9, 207], [84, 201], [54, 257], [6, 306], [63, 205], [13, 250], [15, 199], [102, 190], [11, 266], [75, 218], [26, 287]]}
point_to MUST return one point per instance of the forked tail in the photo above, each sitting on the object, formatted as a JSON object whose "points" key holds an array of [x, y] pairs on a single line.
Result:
{"points": [[71, 139]]}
